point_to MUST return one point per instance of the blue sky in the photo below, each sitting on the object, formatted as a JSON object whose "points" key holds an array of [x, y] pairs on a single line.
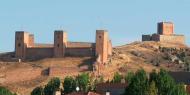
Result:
{"points": [[126, 20]]}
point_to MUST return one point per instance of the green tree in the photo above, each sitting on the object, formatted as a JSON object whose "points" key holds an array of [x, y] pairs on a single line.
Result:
{"points": [[117, 78], [52, 86], [139, 84], [129, 76], [83, 81], [38, 91], [153, 76], [69, 85], [158, 84], [5, 91], [164, 83], [179, 89], [152, 89]]}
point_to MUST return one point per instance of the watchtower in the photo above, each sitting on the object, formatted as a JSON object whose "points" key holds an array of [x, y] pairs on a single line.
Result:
{"points": [[102, 45], [21, 43], [165, 28], [60, 43]]}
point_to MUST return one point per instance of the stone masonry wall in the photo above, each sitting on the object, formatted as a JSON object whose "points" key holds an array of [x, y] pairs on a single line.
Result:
{"points": [[165, 28], [172, 38], [146, 37], [80, 52], [25, 48], [37, 53]]}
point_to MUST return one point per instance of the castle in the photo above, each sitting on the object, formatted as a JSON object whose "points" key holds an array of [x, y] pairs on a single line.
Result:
{"points": [[26, 48], [165, 33]]}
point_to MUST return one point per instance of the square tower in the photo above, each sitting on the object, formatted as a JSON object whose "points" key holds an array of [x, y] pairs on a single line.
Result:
{"points": [[21, 43], [102, 45], [109, 48], [165, 28], [60, 43], [31, 40]]}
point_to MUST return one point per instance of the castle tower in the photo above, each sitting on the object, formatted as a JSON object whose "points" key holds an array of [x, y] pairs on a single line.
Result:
{"points": [[102, 45], [109, 47], [165, 28], [31, 40], [60, 43], [21, 43]]}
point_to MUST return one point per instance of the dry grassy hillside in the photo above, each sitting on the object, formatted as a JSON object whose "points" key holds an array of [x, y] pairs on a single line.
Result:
{"points": [[146, 55], [23, 77]]}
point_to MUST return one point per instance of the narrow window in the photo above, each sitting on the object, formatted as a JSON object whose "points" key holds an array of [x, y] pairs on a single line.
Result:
{"points": [[19, 44]]}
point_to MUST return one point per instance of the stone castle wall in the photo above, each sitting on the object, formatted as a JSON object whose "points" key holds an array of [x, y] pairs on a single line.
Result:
{"points": [[80, 45], [180, 39], [80, 52], [25, 48], [146, 37], [172, 38], [38, 53]]}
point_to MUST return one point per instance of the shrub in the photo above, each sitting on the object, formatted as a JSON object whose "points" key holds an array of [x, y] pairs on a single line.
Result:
{"points": [[38, 91], [5, 91], [52, 86]]}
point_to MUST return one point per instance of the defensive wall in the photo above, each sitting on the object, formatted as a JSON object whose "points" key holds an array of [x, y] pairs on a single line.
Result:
{"points": [[26, 48]]}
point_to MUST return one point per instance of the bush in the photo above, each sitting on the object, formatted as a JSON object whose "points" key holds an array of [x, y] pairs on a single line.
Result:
{"points": [[38, 91], [52, 86], [69, 85], [5, 91], [129, 77], [83, 81], [117, 78]]}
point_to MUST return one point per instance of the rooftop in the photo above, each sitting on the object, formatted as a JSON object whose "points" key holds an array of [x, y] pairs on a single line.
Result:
{"points": [[181, 77]]}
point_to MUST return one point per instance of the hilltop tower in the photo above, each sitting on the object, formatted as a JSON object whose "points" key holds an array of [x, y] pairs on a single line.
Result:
{"points": [[165, 33], [165, 28], [21, 43], [102, 45], [60, 43]]}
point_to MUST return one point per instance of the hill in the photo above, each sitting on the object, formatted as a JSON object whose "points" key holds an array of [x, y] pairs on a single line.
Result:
{"points": [[23, 77]]}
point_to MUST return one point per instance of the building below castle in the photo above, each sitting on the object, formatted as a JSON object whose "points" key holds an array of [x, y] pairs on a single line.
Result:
{"points": [[26, 48], [165, 33]]}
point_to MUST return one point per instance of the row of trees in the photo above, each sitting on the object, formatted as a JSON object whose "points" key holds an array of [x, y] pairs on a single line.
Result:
{"points": [[139, 83], [70, 84], [156, 84], [49, 89]]}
